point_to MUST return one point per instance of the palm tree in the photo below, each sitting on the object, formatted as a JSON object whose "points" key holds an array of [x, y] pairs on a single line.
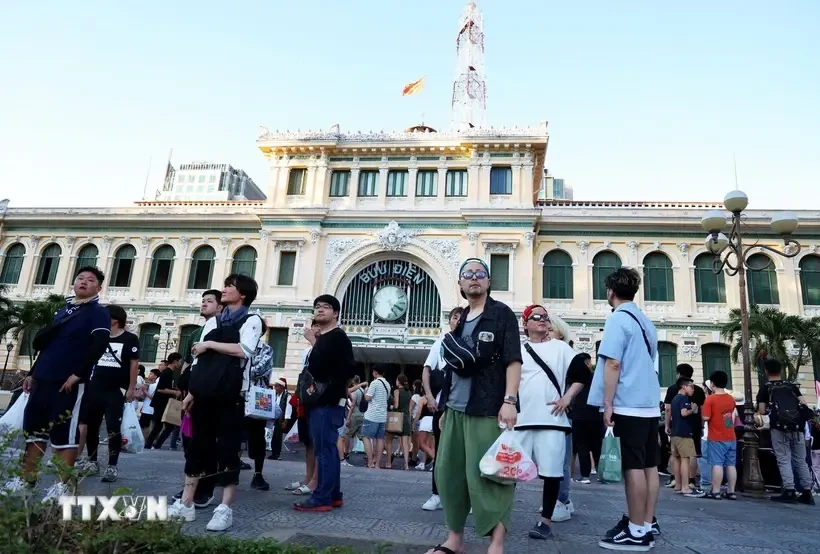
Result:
{"points": [[770, 331], [24, 320]]}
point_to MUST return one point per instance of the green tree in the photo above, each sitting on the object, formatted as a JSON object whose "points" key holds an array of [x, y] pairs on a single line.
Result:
{"points": [[24, 320], [770, 332]]}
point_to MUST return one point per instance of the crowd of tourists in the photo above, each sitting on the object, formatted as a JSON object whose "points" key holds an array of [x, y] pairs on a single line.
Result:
{"points": [[481, 379]]}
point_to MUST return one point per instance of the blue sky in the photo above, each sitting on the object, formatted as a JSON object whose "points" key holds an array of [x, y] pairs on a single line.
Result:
{"points": [[645, 100]]}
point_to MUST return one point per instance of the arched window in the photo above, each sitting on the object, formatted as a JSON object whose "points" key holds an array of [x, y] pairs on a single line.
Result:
{"points": [[202, 268], [162, 266], [49, 262], [12, 264], [557, 275], [187, 335], [762, 280], [86, 257], [709, 286], [810, 280], [244, 261], [658, 283], [148, 345], [603, 264], [667, 363], [123, 266], [715, 357]]}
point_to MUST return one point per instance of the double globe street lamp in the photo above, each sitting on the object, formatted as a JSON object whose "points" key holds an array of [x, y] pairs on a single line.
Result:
{"points": [[732, 256]]}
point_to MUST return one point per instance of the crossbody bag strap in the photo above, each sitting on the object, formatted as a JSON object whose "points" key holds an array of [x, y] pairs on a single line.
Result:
{"points": [[111, 351], [553, 379], [645, 339]]}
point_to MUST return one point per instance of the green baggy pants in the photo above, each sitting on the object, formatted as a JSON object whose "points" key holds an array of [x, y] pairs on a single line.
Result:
{"points": [[464, 441]]}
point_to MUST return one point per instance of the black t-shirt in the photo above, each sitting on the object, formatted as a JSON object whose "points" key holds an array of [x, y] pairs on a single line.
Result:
{"points": [[681, 426], [182, 381], [331, 362], [113, 370], [580, 373], [698, 397], [165, 381]]}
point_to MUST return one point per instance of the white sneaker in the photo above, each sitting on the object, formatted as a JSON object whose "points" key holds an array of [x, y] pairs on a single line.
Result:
{"points": [[55, 491], [345, 463], [222, 519], [433, 503], [593, 472], [571, 507], [420, 467], [13, 486], [178, 510], [560, 513]]}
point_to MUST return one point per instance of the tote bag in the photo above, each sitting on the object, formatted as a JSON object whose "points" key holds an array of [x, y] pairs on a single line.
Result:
{"points": [[609, 464], [173, 413]]}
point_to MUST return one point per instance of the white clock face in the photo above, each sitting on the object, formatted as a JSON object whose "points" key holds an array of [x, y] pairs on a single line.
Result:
{"points": [[390, 303]]}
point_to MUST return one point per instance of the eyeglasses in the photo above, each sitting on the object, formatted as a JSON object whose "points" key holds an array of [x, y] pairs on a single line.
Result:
{"points": [[538, 317], [468, 274]]}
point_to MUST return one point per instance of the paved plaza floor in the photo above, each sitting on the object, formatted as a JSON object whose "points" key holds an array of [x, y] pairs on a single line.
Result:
{"points": [[384, 506]]}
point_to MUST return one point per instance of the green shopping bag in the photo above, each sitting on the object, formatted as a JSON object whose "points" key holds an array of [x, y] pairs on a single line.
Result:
{"points": [[609, 465]]}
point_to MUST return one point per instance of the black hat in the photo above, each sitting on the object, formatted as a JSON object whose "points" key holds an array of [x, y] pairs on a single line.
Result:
{"points": [[330, 300]]}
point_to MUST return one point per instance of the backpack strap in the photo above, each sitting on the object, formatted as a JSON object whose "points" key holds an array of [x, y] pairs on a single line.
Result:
{"points": [[645, 338], [553, 379]]}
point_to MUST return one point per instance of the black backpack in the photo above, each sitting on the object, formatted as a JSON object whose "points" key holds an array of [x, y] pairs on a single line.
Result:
{"points": [[218, 374], [308, 389], [785, 405], [363, 404]]}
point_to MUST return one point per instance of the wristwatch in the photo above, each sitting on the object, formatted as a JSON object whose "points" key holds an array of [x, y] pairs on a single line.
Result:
{"points": [[511, 400]]}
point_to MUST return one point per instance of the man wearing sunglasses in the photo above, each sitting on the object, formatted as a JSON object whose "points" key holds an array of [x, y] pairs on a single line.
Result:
{"points": [[480, 394]]}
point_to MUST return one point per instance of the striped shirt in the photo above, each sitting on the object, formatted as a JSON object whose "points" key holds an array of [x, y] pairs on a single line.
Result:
{"points": [[377, 395]]}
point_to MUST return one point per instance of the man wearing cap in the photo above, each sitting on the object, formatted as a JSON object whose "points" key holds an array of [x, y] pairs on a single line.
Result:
{"points": [[331, 365], [286, 411], [480, 395]]}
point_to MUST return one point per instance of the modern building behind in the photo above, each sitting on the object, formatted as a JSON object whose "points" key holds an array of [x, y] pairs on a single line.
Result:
{"points": [[205, 181]]}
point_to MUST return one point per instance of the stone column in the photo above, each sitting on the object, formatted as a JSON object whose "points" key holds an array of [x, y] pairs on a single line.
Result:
{"points": [[321, 188], [353, 185], [280, 196], [381, 187], [412, 175], [442, 183], [484, 182], [527, 186], [139, 277], [30, 263], [261, 276], [182, 265]]}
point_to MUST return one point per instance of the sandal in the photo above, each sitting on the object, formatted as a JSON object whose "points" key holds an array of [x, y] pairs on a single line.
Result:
{"points": [[730, 496], [293, 486], [445, 550], [712, 495], [303, 489]]}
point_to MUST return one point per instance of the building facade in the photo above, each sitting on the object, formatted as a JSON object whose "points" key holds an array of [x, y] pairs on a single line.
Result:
{"points": [[382, 221], [206, 181]]}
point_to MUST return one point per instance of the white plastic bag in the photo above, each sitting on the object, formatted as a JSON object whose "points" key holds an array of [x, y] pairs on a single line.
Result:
{"points": [[260, 403], [12, 420], [132, 439], [505, 462]]}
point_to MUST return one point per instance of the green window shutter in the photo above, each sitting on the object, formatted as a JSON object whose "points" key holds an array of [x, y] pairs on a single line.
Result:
{"points": [[162, 266], [456, 183], [667, 363], [501, 180], [187, 335], [715, 357], [603, 264], [278, 341], [709, 286], [557, 275], [427, 183], [339, 184], [12, 264], [762, 280], [500, 272], [202, 268], [658, 282], [244, 261], [367, 183], [49, 262], [397, 183], [810, 280], [296, 181], [287, 266], [123, 266], [148, 346], [87, 257]]}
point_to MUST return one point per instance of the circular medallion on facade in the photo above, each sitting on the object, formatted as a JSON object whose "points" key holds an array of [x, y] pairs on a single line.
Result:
{"points": [[390, 303]]}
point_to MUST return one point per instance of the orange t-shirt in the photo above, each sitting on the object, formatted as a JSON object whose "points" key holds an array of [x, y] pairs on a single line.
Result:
{"points": [[720, 409]]}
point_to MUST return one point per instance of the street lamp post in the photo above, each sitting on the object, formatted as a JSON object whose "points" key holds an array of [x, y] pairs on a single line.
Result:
{"points": [[731, 256], [168, 342], [9, 348]]}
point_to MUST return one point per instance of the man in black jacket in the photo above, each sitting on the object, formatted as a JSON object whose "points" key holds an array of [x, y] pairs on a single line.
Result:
{"points": [[479, 398], [68, 350], [331, 365]]}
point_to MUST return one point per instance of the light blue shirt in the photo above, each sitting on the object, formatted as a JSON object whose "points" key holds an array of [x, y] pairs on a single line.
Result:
{"points": [[623, 341]]}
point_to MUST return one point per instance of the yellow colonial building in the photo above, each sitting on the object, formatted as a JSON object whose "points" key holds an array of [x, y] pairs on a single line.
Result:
{"points": [[382, 221]]}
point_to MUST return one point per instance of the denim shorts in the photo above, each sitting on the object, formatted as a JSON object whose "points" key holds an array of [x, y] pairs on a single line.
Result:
{"points": [[722, 453], [373, 430]]}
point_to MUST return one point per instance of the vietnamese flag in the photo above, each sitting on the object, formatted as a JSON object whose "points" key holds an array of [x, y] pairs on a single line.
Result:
{"points": [[413, 88]]}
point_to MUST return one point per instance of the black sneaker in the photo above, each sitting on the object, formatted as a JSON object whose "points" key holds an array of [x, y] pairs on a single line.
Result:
{"points": [[626, 541], [806, 498], [541, 531], [656, 528], [243, 465], [788, 497], [203, 501], [258, 482], [623, 524]]}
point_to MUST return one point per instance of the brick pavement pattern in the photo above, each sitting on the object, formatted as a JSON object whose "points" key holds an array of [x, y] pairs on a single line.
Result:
{"points": [[388, 510]]}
